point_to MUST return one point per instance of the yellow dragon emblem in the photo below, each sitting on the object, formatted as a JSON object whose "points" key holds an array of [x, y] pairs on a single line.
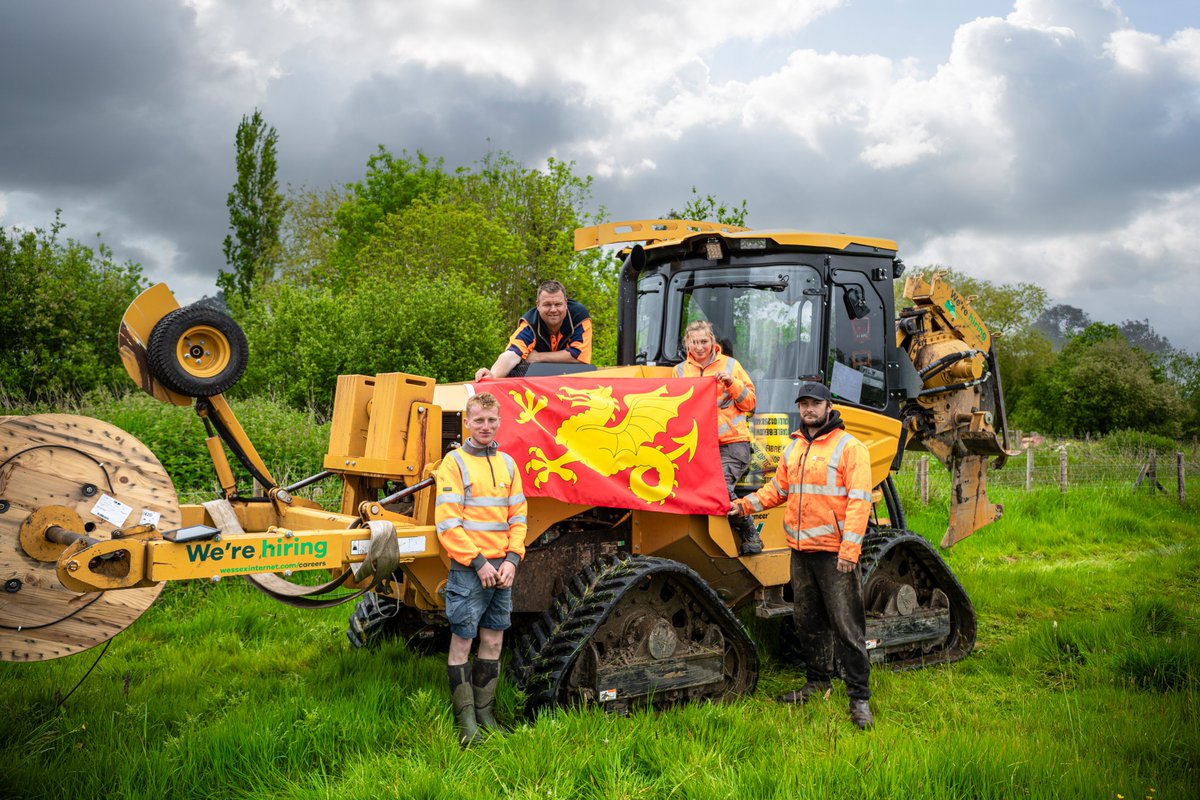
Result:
{"points": [[589, 439]]}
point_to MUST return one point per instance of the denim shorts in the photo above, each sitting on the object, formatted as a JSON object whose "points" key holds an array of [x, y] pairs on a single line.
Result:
{"points": [[470, 607]]}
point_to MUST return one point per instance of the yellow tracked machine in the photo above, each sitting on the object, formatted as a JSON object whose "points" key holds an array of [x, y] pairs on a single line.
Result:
{"points": [[616, 606]]}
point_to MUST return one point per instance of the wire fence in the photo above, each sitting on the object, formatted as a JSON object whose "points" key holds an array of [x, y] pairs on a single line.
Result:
{"points": [[1065, 463]]}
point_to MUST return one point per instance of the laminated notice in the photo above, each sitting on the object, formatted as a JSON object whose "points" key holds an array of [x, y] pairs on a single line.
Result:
{"points": [[412, 544], [111, 510], [149, 517]]}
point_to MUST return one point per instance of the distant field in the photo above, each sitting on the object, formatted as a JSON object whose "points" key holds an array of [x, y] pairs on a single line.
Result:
{"points": [[1085, 682]]}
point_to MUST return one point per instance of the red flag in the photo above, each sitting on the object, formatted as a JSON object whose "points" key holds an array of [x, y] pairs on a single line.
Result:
{"points": [[641, 443]]}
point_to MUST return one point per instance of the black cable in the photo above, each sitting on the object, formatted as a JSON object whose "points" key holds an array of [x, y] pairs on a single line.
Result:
{"points": [[60, 703], [232, 444], [95, 460], [51, 622]]}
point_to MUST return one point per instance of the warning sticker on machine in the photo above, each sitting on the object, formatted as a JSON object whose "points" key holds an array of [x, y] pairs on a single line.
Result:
{"points": [[412, 544], [408, 544], [111, 510], [607, 695]]}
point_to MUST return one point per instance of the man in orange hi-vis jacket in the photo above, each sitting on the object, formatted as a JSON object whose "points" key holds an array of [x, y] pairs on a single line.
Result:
{"points": [[480, 515], [824, 477]]}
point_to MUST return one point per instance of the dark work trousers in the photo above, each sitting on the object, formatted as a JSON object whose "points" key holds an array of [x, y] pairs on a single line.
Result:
{"points": [[735, 458], [831, 627]]}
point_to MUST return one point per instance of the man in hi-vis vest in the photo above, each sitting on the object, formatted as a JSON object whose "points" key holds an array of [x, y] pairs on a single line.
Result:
{"points": [[824, 477], [480, 516]]}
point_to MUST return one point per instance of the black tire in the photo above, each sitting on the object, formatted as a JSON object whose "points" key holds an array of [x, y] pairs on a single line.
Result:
{"points": [[197, 351], [378, 618]]}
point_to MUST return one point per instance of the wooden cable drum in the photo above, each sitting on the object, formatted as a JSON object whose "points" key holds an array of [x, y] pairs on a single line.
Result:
{"points": [[87, 477]]}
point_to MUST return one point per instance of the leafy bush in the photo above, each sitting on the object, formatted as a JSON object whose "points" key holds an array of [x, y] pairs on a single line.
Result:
{"points": [[292, 443], [60, 305], [1138, 444], [303, 337]]}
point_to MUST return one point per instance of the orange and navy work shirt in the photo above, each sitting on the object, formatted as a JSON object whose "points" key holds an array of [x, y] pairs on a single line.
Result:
{"points": [[480, 508], [734, 402], [574, 335], [826, 484]]}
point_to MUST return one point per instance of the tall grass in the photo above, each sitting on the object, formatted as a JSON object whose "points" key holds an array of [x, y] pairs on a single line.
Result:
{"points": [[1084, 683]]}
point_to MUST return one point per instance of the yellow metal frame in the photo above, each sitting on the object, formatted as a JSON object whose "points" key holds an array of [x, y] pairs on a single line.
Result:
{"points": [[663, 232]]}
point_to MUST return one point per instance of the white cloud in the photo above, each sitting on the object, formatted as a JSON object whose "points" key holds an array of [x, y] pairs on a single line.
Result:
{"points": [[1056, 133], [1143, 269]]}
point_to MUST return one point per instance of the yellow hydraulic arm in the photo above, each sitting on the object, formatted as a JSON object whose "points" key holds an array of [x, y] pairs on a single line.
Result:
{"points": [[959, 414]]}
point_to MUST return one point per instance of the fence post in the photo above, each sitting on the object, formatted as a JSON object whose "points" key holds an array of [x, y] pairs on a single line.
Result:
{"points": [[1029, 468], [1062, 469], [923, 468], [1179, 477]]}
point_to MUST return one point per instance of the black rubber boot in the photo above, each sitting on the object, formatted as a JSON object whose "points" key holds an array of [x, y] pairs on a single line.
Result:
{"points": [[462, 695], [484, 679], [860, 714], [747, 531]]}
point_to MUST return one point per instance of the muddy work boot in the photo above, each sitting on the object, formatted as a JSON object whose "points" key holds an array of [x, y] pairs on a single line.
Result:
{"points": [[747, 532], [483, 680], [809, 691], [860, 714], [462, 695]]}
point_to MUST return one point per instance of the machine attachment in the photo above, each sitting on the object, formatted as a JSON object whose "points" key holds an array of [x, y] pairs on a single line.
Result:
{"points": [[958, 415]]}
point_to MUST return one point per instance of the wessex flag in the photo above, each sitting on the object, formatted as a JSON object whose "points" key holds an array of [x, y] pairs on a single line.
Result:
{"points": [[639, 443]]}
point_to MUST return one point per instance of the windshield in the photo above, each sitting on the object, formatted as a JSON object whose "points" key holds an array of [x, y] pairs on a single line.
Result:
{"points": [[767, 317]]}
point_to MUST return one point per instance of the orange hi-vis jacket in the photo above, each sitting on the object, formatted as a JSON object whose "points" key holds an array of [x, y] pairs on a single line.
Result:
{"points": [[734, 402], [827, 486], [480, 509]]}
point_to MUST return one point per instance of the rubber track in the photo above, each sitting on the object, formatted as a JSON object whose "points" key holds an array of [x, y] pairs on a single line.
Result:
{"points": [[377, 618], [546, 651], [877, 544]]}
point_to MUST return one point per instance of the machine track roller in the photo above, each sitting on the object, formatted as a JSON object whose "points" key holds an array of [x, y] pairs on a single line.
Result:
{"points": [[918, 613], [77, 476], [633, 631], [378, 617]]}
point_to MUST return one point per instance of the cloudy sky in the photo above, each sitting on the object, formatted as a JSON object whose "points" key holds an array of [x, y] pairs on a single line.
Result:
{"points": [[1053, 141]]}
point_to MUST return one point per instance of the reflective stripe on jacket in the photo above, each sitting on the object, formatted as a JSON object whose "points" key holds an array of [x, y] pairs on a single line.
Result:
{"points": [[827, 486], [480, 508], [734, 402]]}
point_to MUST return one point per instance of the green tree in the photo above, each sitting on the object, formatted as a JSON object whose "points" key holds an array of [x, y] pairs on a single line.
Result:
{"points": [[60, 308], [540, 209], [256, 210], [1060, 322], [707, 208], [391, 183], [309, 232], [1101, 383]]}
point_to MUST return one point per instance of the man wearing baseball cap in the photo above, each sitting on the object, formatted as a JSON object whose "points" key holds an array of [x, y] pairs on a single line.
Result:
{"points": [[824, 476]]}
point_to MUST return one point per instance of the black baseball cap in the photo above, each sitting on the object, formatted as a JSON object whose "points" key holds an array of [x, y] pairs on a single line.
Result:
{"points": [[817, 391]]}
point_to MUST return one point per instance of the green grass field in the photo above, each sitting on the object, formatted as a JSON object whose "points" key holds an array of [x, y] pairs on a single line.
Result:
{"points": [[1085, 682]]}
